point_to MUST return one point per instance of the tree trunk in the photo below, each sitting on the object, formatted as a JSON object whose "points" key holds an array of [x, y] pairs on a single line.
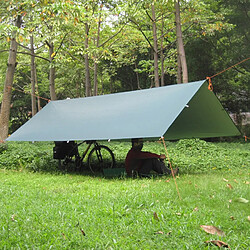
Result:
{"points": [[33, 77], [86, 57], [6, 101], [52, 73], [78, 91], [162, 54], [178, 69], [102, 83], [137, 77], [95, 59], [157, 82], [95, 78], [37, 91], [180, 45]]}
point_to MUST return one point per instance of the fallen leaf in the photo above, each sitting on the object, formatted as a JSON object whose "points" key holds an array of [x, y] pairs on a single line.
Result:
{"points": [[212, 230], [229, 186], [232, 218], [242, 200], [248, 217], [178, 214], [247, 182], [230, 201], [83, 233], [235, 181], [13, 217], [159, 232], [218, 243], [167, 180], [156, 216], [225, 180], [64, 237], [195, 209]]}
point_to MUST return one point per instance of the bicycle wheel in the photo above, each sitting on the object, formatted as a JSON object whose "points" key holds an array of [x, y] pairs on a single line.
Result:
{"points": [[100, 157]]}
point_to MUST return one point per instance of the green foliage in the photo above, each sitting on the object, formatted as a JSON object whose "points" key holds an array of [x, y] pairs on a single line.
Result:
{"points": [[194, 156], [191, 156], [27, 156], [3, 147], [80, 212], [123, 52], [224, 48]]}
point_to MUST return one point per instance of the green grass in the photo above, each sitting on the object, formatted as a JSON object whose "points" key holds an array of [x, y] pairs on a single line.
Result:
{"points": [[42, 207], [43, 211]]}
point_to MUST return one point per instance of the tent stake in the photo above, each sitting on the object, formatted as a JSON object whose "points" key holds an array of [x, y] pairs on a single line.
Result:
{"points": [[172, 172]]}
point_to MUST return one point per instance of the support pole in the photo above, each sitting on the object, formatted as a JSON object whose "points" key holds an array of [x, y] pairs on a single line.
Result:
{"points": [[172, 172]]}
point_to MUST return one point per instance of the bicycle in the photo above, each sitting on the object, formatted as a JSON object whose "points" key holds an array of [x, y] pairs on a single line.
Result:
{"points": [[99, 157]]}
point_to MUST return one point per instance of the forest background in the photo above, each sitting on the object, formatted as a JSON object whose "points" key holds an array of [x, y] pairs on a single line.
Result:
{"points": [[68, 49]]}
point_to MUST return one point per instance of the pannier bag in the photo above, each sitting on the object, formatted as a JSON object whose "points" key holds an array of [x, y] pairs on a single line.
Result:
{"points": [[63, 149]]}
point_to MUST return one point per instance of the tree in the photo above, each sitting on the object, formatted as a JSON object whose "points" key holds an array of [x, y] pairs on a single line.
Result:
{"points": [[53, 16], [99, 22], [86, 58], [226, 39], [5, 106], [83, 48], [182, 63], [155, 38], [33, 75]]}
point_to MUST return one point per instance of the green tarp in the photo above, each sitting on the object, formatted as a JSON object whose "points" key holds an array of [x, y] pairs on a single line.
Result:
{"points": [[175, 112]]}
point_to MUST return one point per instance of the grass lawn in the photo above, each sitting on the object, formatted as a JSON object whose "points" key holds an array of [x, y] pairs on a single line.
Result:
{"points": [[43, 207], [70, 211]]}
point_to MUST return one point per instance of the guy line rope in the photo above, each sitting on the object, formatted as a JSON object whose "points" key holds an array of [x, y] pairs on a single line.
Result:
{"points": [[210, 87]]}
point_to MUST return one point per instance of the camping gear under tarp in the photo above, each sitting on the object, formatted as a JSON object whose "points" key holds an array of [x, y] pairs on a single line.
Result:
{"points": [[177, 111]]}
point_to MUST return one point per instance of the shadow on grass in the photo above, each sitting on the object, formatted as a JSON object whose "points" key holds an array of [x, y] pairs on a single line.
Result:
{"points": [[53, 167]]}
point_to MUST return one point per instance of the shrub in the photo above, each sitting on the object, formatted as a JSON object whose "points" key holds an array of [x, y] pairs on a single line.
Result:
{"points": [[3, 147], [22, 155], [195, 155], [190, 155]]}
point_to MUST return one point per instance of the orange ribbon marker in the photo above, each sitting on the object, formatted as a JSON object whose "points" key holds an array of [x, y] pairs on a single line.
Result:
{"points": [[210, 85]]}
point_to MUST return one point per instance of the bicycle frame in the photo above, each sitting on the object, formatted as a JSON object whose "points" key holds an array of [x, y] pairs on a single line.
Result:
{"points": [[90, 143], [99, 157]]}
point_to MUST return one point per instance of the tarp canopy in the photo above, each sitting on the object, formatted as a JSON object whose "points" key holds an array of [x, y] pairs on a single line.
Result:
{"points": [[175, 112]]}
